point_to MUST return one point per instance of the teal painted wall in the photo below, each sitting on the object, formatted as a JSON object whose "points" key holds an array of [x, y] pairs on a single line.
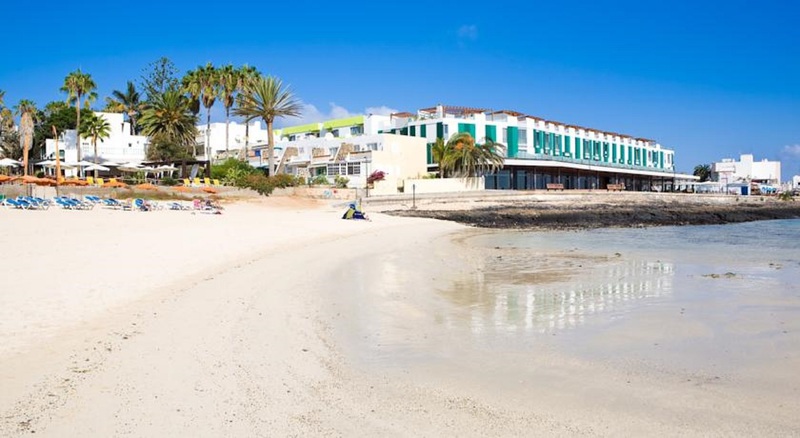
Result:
{"points": [[513, 141]]}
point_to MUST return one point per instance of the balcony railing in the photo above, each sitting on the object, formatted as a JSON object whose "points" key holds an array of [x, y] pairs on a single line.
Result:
{"points": [[595, 162]]}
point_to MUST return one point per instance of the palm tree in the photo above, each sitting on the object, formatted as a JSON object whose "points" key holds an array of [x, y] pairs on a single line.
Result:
{"points": [[703, 171], [168, 118], [128, 102], [439, 151], [27, 111], [229, 83], [77, 85], [467, 158], [97, 128], [267, 98], [247, 75], [203, 83]]}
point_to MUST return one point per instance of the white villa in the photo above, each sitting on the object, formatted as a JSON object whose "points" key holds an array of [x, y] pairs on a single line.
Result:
{"points": [[120, 146], [746, 170]]}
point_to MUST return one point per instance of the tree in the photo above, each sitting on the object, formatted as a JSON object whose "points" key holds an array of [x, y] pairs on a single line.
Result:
{"points": [[703, 171], [247, 76], [467, 158], [127, 102], [159, 77], [439, 151], [204, 83], [97, 128], [169, 121], [267, 98], [77, 85], [10, 146], [229, 83], [27, 111]]}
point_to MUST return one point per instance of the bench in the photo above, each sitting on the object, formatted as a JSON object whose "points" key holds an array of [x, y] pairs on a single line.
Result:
{"points": [[615, 187], [553, 186]]}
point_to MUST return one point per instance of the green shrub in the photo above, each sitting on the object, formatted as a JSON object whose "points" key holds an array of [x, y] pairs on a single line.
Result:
{"points": [[319, 180], [169, 181], [785, 196], [260, 183], [283, 180], [341, 182], [221, 170]]}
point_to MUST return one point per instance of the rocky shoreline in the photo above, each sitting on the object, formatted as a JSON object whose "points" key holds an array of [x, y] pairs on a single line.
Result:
{"points": [[539, 215]]}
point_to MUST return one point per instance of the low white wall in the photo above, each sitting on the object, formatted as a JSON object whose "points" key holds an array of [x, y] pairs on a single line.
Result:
{"points": [[444, 185]]}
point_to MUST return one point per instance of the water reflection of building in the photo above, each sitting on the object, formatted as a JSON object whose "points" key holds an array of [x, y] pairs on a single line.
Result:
{"points": [[512, 307]]}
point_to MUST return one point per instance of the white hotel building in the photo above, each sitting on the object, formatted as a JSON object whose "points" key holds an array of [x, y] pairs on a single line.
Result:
{"points": [[120, 146], [541, 152], [538, 152]]}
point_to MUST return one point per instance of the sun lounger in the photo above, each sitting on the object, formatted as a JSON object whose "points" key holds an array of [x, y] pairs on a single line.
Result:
{"points": [[197, 182], [216, 182], [90, 180], [100, 181], [207, 181]]}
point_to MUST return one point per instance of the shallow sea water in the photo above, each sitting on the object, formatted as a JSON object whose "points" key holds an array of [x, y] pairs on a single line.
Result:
{"points": [[719, 298]]}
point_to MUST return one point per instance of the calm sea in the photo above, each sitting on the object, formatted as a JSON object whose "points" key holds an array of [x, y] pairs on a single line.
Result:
{"points": [[689, 296]]}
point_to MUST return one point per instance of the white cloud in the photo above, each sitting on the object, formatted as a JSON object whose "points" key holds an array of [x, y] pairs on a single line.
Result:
{"points": [[468, 32], [382, 110], [791, 151]]}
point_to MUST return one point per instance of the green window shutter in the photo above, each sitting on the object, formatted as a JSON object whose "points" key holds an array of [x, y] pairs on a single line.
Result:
{"points": [[567, 146], [404, 131], [430, 152], [613, 152], [513, 141], [577, 148], [412, 130], [423, 132], [467, 127], [661, 159], [491, 132], [440, 131]]}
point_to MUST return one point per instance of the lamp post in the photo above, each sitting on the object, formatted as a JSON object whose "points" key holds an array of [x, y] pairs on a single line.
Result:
{"points": [[413, 196]]}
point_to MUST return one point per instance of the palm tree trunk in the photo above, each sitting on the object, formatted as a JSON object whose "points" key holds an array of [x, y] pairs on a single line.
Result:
{"points": [[208, 133], [246, 139], [94, 142], [270, 148], [227, 122], [132, 118], [78, 127]]}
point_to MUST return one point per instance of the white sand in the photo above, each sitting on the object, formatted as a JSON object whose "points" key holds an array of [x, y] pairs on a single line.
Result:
{"points": [[172, 324]]}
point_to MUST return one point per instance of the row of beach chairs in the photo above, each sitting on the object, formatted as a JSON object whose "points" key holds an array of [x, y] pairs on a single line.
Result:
{"points": [[90, 201], [197, 182]]}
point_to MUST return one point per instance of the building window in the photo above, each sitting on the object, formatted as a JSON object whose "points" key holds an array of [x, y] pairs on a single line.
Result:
{"points": [[354, 168], [335, 132], [356, 130], [337, 169], [523, 137], [372, 146]]}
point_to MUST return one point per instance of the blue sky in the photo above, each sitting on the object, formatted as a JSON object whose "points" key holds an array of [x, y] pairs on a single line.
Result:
{"points": [[708, 79]]}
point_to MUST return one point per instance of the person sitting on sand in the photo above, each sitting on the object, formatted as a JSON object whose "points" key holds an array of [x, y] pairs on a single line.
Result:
{"points": [[354, 213]]}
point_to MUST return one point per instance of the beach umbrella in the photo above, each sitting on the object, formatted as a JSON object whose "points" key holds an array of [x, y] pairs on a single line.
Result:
{"points": [[110, 163], [46, 163], [93, 167], [8, 162]]}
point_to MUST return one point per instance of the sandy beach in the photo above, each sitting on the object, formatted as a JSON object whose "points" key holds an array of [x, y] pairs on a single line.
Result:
{"points": [[277, 318]]}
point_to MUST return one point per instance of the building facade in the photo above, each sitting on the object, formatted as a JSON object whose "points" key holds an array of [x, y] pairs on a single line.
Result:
{"points": [[541, 152], [120, 146], [746, 170], [240, 136]]}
